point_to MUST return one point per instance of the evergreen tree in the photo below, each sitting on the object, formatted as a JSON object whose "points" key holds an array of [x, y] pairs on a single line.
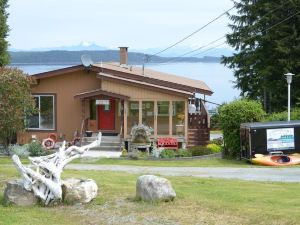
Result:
{"points": [[266, 37], [4, 56]]}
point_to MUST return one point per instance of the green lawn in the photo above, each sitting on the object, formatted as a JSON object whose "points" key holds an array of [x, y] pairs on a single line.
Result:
{"points": [[179, 163], [199, 201]]}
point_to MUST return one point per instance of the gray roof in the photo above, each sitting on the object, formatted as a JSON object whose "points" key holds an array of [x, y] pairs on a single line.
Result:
{"points": [[273, 124]]}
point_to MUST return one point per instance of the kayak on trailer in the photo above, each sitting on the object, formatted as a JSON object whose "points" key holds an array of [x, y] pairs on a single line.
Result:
{"points": [[276, 160]]}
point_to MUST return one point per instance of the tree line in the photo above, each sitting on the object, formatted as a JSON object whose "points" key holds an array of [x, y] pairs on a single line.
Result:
{"points": [[266, 37]]}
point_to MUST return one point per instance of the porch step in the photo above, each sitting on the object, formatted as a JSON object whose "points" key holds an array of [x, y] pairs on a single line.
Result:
{"points": [[108, 143]]}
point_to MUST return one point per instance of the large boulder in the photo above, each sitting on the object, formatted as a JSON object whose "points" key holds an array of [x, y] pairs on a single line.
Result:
{"points": [[79, 190], [153, 188], [16, 194]]}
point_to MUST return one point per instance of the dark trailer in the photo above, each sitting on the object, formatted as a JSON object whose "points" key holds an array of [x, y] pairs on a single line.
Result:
{"points": [[263, 138]]}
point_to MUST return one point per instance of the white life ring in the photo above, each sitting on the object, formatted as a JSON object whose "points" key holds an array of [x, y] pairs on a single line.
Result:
{"points": [[48, 143]]}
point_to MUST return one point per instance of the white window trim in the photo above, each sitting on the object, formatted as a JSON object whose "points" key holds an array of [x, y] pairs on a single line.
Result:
{"points": [[54, 119]]}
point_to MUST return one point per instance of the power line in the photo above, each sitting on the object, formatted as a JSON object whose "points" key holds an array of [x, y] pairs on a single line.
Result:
{"points": [[187, 53], [267, 29], [193, 33]]}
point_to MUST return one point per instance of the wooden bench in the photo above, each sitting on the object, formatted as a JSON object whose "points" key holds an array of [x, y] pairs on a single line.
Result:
{"points": [[169, 143]]}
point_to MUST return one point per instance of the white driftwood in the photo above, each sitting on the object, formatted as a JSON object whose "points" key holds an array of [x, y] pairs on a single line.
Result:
{"points": [[43, 176]]}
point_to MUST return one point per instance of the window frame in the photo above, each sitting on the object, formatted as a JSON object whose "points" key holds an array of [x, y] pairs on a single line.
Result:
{"points": [[39, 95]]}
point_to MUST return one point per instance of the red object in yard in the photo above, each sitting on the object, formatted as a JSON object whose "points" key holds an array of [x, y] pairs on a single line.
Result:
{"points": [[169, 143]]}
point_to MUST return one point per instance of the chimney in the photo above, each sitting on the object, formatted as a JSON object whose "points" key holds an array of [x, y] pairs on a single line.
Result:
{"points": [[123, 55]]}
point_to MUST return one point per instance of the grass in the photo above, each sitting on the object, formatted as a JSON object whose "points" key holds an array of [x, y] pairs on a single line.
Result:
{"points": [[182, 163], [216, 132], [213, 162], [199, 201]]}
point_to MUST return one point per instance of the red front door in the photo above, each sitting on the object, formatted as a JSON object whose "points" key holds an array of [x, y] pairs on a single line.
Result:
{"points": [[106, 116]]}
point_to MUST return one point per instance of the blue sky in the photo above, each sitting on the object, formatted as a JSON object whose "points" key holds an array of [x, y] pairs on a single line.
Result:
{"points": [[139, 24]]}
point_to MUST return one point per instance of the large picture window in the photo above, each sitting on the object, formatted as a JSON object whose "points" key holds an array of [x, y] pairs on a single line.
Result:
{"points": [[44, 119]]}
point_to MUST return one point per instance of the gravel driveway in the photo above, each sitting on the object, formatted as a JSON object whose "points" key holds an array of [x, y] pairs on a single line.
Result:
{"points": [[257, 174]]}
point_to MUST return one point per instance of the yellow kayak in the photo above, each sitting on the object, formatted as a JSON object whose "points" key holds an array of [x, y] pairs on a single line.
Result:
{"points": [[276, 160]]}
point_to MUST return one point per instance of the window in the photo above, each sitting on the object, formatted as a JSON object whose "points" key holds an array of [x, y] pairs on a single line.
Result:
{"points": [[178, 117], [44, 119], [163, 117], [148, 113], [163, 108], [133, 115], [93, 109]]}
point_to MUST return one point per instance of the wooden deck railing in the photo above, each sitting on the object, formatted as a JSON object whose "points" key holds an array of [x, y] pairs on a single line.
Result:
{"points": [[199, 119]]}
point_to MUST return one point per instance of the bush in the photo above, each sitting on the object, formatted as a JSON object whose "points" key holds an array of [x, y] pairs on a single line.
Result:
{"points": [[214, 148], [231, 117], [167, 153], [218, 141], [35, 148], [199, 150], [282, 116], [124, 153], [183, 153], [21, 151], [142, 154]]}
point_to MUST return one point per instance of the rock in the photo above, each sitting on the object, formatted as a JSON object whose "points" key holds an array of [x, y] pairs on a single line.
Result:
{"points": [[16, 194], [153, 188], [79, 190]]}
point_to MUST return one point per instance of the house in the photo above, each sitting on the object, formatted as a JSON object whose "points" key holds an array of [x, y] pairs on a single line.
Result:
{"points": [[112, 98]]}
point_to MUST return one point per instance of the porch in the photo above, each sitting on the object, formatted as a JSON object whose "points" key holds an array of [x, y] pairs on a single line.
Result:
{"points": [[114, 114]]}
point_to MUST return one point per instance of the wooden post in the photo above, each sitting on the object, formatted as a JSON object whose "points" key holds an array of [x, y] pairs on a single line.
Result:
{"points": [[155, 119], [170, 118], [140, 112], [186, 120], [125, 102]]}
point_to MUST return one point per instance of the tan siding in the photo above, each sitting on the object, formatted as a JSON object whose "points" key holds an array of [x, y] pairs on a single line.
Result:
{"points": [[69, 110], [137, 93]]}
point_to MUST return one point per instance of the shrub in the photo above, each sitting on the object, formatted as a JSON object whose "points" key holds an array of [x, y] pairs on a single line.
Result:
{"points": [[35, 148], [183, 153], [133, 155], [21, 151], [156, 151], [218, 141], [232, 115], [142, 154], [16, 103], [124, 153], [199, 150], [214, 148], [282, 116], [167, 153]]}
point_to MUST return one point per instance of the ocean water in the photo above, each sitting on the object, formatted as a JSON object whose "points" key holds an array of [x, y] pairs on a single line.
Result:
{"points": [[216, 76]]}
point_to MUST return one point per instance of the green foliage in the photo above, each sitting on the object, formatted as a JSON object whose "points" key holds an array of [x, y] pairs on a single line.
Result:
{"points": [[16, 102], [19, 150], [215, 121], [167, 153], [183, 153], [231, 117], [214, 148], [282, 116], [218, 141], [199, 150], [35, 148], [124, 153], [4, 56], [265, 35]]}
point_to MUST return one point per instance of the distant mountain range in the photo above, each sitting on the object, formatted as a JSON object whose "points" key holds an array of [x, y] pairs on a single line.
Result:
{"points": [[74, 57], [92, 46], [72, 54]]}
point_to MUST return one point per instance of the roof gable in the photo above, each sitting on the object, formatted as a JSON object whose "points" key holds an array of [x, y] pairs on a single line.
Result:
{"points": [[152, 77]]}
